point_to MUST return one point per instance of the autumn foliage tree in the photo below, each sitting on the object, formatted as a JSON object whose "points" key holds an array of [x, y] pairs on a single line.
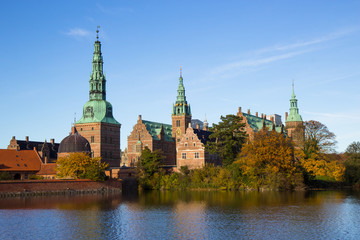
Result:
{"points": [[319, 142], [269, 162], [227, 138], [81, 166]]}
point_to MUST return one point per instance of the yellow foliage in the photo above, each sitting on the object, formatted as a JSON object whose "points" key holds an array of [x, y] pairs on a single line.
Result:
{"points": [[81, 165]]}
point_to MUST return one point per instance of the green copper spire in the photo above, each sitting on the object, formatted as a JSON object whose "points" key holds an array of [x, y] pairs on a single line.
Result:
{"points": [[294, 115], [181, 105], [97, 78], [97, 109]]}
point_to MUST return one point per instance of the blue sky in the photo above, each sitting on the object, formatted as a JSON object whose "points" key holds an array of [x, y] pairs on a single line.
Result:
{"points": [[233, 53]]}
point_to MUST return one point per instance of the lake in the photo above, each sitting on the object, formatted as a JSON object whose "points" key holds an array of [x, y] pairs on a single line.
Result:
{"points": [[185, 215]]}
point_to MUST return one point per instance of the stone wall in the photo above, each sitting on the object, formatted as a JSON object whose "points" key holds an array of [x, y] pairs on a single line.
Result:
{"points": [[43, 187]]}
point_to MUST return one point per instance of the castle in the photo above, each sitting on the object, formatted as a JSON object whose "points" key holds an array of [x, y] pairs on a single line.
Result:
{"points": [[182, 142]]}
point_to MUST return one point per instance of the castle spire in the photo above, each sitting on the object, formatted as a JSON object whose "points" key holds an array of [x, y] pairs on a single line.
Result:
{"points": [[97, 79], [181, 105], [294, 115]]}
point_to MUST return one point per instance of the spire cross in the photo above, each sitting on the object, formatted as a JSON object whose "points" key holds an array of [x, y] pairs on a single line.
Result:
{"points": [[97, 32], [180, 71]]}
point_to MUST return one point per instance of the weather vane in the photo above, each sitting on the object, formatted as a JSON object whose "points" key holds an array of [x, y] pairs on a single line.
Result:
{"points": [[97, 32]]}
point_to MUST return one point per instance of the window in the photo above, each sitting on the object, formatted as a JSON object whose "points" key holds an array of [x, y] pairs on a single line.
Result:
{"points": [[194, 144], [110, 154], [80, 129], [183, 155], [110, 139], [92, 139], [178, 123], [105, 139], [196, 155], [185, 144], [178, 140]]}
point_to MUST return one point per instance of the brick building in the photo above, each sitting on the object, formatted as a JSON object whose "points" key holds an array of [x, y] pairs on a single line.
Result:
{"points": [[153, 135], [171, 139], [20, 164], [97, 124], [254, 123], [46, 150], [190, 150]]}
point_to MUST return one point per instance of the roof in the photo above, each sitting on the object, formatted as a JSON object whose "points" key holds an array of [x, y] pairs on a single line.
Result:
{"points": [[19, 161], [74, 143], [154, 128], [256, 123], [47, 169], [29, 145], [97, 111]]}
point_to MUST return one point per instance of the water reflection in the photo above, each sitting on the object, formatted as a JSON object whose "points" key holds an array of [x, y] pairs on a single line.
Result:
{"points": [[185, 215]]}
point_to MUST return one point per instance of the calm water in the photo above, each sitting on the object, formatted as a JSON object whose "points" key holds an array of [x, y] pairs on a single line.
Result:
{"points": [[185, 215]]}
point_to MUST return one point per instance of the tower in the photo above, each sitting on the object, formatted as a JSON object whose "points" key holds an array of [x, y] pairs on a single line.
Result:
{"points": [[293, 122], [181, 114], [97, 124]]}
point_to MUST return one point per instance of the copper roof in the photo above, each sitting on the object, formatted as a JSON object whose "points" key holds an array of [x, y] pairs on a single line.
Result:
{"points": [[23, 160]]}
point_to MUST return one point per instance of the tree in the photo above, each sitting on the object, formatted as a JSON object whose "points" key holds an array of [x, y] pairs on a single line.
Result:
{"points": [[352, 163], [81, 166], [148, 168], [227, 138], [319, 144], [269, 161], [318, 138]]}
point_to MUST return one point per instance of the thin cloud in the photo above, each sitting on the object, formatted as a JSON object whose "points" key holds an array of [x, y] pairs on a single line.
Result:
{"points": [[78, 32], [255, 62], [300, 44]]}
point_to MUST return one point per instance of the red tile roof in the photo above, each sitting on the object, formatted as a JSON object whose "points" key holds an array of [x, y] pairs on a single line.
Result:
{"points": [[47, 169], [19, 161]]}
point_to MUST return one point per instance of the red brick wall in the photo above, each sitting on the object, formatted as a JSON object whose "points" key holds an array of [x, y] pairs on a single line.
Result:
{"points": [[106, 140], [56, 185]]}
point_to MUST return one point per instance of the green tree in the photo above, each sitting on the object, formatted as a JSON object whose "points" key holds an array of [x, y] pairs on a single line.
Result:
{"points": [[81, 166], [269, 161], [352, 163], [148, 169], [5, 176], [227, 138]]}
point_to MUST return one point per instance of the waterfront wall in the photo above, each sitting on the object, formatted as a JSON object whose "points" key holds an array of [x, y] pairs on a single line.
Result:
{"points": [[50, 187]]}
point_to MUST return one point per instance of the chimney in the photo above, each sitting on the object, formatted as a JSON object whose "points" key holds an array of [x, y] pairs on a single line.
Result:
{"points": [[73, 130], [272, 119], [26, 138], [46, 160], [139, 117], [248, 111], [197, 126], [256, 114], [190, 125], [239, 110], [262, 115], [52, 141], [286, 115]]}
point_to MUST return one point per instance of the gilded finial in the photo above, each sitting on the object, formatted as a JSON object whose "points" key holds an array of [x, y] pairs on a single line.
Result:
{"points": [[97, 32]]}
